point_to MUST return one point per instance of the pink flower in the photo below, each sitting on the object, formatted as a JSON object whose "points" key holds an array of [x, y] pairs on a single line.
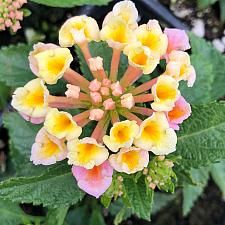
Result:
{"points": [[16, 26], [96, 97], [127, 101], [96, 114], [106, 82], [104, 91], [8, 23], [180, 112], [117, 90], [109, 104], [19, 15], [72, 91], [177, 40], [95, 85], [94, 181]]}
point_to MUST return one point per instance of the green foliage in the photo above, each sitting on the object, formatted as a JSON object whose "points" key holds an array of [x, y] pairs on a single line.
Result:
{"points": [[218, 174], [80, 214], [103, 50], [55, 187], [14, 65], [56, 216], [70, 3], [201, 138], [222, 10], [4, 95], [205, 3], [162, 174], [140, 197], [210, 66], [96, 217], [192, 192], [12, 214]]}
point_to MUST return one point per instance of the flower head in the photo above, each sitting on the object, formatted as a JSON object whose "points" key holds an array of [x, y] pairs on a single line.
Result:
{"points": [[121, 135], [94, 181], [151, 36], [86, 153], [61, 125], [47, 149], [156, 136], [165, 93], [31, 100], [129, 160], [180, 112], [49, 62], [78, 29]]}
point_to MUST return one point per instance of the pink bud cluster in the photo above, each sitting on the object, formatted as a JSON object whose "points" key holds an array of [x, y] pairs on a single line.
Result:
{"points": [[10, 14]]}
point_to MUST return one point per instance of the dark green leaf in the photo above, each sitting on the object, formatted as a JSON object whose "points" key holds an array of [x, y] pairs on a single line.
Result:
{"points": [[70, 3], [14, 65], [4, 95], [205, 3], [201, 138], [56, 216]]}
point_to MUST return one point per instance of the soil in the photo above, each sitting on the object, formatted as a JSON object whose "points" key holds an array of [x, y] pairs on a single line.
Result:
{"points": [[210, 208]]}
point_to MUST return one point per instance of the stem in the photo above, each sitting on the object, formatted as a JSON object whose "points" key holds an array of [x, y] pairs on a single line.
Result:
{"points": [[142, 110], [84, 97], [130, 116], [83, 123], [114, 65], [64, 102], [114, 117], [85, 49], [75, 78], [102, 74], [81, 116], [143, 87], [143, 98], [130, 76], [101, 128]]}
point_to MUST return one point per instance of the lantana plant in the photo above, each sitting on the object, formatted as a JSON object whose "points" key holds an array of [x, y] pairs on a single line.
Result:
{"points": [[135, 122]]}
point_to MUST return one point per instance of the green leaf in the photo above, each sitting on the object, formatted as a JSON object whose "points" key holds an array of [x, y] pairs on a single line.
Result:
{"points": [[14, 65], [97, 217], [218, 174], [139, 196], [70, 3], [205, 3], [201, 137], [56, 216], [210, 69], [55, 188], [222, 10], [103, 50], [4, 95], [12, 214], [161, 200], [190, 192]]}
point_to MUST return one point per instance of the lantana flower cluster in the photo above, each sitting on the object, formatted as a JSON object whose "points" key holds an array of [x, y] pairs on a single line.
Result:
{"points": [[11, 14], [126, 130]]}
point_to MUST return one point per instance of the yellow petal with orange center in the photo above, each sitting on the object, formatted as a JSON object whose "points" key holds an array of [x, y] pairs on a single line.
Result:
{"points": [[86, 153], [61, 125], [53, 63], [156, 135], [31, 99]]}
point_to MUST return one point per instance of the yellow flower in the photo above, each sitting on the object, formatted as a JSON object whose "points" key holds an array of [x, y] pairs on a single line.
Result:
{"points": [[61, 125], [52, 64], [151, 36], [31, 99], [121, 135], [179, 67], [129, 160], [47, 149], [156, 135], [117, 33], [127, 11], [86, 153], [165, 93], [142, 57], [77, 30]]}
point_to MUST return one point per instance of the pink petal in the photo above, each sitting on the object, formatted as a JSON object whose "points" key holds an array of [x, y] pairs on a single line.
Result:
{"points": [[177, 40], [33, 120], [94, 181]]}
